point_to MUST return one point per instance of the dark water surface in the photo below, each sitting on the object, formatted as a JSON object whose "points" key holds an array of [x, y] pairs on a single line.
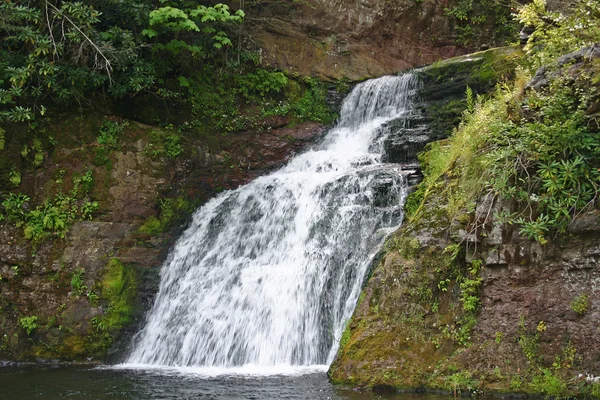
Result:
{"points": [[90, 383]]}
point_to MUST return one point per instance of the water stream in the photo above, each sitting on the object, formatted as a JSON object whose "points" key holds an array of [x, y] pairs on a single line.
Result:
{"points": [[267, 275]]}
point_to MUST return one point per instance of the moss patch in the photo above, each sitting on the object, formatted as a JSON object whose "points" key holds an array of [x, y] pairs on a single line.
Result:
{"points": [[119, 285]]}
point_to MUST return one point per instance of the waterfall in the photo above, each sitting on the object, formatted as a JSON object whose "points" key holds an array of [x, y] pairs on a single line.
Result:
{"points": [[269, 273]]}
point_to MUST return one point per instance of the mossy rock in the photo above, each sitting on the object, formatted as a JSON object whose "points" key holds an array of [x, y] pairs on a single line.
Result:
{"points": [[119, 285]]}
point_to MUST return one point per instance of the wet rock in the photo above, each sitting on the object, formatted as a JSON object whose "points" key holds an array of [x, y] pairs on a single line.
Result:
{"points": [[441, 101]]}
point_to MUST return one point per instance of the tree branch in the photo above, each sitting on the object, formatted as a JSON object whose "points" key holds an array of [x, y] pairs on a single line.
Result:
{"points": [[108, 66]]}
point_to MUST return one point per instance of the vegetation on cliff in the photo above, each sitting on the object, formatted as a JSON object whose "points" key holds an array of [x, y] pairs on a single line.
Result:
{"points": [[491, 214], [489, 19], [536, 145]]}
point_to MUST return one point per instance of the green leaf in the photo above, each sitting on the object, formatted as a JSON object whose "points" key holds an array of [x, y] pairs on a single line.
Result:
{"points": [[183, 82], [150, 33]]}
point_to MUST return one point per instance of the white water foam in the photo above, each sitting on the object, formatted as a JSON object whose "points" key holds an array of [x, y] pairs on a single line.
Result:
{"points": [[267, 275], [249, 370]]}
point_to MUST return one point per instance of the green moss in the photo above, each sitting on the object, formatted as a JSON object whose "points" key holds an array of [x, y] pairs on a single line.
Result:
{"points": [[152, 226], [118, 290], [173, 212], [119, 286], [74, 347], [409, 247], [345, 336]]}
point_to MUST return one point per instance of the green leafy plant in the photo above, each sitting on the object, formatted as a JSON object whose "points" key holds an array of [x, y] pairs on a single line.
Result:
{"points": [[54, 216], [529, 342], [99, 324], [34, 153], [459, 382], [171, 19], [312, 106], [164, 143], [92, 296], [498, 337], [261, 82], [550, 384], [15, 177], [13, 207], [56, 53], [28, 323], [537, 149], [87, 209], [482, 18], [109, 133], [77, 281]]}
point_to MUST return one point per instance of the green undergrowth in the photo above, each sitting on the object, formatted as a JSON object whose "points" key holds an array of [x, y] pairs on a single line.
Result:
{"points": [[55, 215], [232, 102], [165, 143], [178, 61], [485, 18], [536, 148]]}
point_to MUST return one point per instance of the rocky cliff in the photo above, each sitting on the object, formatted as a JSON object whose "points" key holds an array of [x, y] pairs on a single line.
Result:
{"points": [[338, 39], [538, 308]]}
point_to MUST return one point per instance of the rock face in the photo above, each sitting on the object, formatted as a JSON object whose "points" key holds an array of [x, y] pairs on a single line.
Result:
{"points": [[539, 307], [442, 99], [70, 298], [339, 39]]}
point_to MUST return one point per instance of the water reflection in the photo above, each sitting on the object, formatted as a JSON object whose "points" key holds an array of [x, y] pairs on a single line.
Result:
{"points": [[87, 383]]}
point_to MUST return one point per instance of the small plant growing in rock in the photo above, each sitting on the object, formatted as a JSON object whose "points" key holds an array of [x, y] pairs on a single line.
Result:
{"points": [[15, 177], [13, 207], [28, 323], [109, 133], [580, 304], [516, 382], [77, 282], [549, 383], [460, 381], [541, 326], [93, 297], [498, 337], [99, 324]]}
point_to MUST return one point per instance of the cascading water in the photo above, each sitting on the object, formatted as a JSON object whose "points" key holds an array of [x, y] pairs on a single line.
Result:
{"points": [[269, 273]]}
